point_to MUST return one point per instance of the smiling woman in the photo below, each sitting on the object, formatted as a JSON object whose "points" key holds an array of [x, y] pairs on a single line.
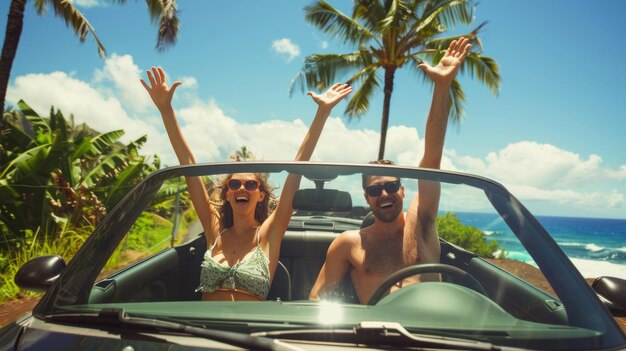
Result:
{"points": [[240, 190], [243, 238]]}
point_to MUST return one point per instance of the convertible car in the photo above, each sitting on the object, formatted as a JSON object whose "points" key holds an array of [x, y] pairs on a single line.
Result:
{"points": [[132, 286]]}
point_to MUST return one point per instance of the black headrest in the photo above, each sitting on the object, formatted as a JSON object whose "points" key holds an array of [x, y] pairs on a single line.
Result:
{"points": [[322, 200]]}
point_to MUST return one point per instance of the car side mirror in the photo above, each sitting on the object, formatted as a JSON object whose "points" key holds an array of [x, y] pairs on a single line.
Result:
{"points": [[612, 292], [39, 273]]}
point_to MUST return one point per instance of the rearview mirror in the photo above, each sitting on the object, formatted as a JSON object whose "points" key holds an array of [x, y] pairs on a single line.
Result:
{"points": [[39, 273], [327, 200]]}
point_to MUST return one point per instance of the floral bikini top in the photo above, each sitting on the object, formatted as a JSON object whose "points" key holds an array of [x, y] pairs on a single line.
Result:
{"points": [[251, 274]]}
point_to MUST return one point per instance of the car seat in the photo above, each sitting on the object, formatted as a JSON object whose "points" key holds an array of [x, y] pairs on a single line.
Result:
{"points": [[281, 284]]}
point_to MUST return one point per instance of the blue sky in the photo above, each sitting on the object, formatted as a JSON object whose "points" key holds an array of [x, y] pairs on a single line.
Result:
{"points": [[554, 135]]}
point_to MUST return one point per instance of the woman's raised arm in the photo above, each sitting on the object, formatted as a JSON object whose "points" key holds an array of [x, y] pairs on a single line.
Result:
{"points": [[162, 95], [279, 220]]}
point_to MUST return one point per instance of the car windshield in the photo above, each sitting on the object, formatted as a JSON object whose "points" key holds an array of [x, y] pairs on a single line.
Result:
{"points": [[500, 277]]}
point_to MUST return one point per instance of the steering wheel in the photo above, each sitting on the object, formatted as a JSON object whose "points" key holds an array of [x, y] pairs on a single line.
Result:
{"points": [[466, 279]]}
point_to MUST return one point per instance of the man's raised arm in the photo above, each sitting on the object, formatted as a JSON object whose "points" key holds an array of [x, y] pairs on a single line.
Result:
{"points": [[425, 209]]}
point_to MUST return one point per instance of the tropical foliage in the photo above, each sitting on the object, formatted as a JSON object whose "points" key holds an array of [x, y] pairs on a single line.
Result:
{"points": [[55, 174], [164, 12], [243, 154], [389, 35], [59, 179], [470, 238]]}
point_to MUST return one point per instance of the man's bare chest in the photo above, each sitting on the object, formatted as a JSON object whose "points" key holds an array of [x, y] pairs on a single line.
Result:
{"points": [[379, 258]]}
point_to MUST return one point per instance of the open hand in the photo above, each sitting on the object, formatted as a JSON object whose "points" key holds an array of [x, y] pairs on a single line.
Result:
{"points": [[332, 96], [160, 93], [446, 69]]}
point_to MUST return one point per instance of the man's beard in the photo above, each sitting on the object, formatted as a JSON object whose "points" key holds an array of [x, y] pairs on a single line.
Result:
{"points": [[387, 216]]}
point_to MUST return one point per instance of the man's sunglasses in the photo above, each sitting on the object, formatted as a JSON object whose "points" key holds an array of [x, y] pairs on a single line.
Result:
{"points": [[376, 190], [235, 184]]}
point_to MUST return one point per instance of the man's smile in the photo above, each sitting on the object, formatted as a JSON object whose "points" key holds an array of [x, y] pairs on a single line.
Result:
{"points": [[386, 203]]}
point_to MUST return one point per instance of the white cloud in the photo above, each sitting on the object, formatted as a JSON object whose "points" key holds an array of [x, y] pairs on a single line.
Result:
{"points": [[114, 99], [121, 73], [189, 82], [214, 136], [543, 173], [90, 3], [612, 199], [531, 163], [284, 46], [102, 111], [324, 44], [619, 174]]}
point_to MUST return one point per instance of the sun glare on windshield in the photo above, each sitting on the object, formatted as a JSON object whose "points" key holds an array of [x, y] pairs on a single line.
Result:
{"points": [[330, 313]]}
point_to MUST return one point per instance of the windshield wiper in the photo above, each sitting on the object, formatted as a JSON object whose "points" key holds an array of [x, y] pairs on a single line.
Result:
{"points": [[378, 330], [381, 333], [115, 317]]}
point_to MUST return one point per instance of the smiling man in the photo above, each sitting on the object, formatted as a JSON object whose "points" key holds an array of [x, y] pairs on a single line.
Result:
{"points": [[397, 240]]}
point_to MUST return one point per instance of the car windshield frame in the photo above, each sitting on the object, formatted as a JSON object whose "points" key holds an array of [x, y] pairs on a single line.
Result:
{"points": [[74, 284]]}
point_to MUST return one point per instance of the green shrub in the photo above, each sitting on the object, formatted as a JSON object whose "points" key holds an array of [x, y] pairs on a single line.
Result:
{"points": [[66, 245], [470, 238]]}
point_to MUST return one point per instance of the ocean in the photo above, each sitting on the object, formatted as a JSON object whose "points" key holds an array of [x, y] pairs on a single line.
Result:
{"points": [[595, 246]]}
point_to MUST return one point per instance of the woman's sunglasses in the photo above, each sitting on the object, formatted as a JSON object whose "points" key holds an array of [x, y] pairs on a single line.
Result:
{"points": [[235, 184], [376, 190]]}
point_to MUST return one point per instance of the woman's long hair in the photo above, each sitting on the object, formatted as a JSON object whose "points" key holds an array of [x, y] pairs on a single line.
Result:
{"points": [[262, 210]]}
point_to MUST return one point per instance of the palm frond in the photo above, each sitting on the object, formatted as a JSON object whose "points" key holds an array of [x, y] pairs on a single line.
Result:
{"points": [[319, 71], [485, 69], [40, 6], [413, 63], [457, 97], [426, 21], [431, 56], [452, 12], [393, 30], [359, 103], [74, 18], [334, 22], [155, 9], [363, 73], [168, 25], [368, 11], [394, 19], [442, 43]]}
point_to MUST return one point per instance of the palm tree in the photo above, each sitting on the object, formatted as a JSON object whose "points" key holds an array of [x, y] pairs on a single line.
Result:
{"points": [[163, 11], [243, 154], [389, 35]]}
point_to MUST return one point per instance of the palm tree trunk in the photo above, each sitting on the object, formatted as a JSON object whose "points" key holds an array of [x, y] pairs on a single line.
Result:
{"points": [[388, 90], [12, 36]]}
